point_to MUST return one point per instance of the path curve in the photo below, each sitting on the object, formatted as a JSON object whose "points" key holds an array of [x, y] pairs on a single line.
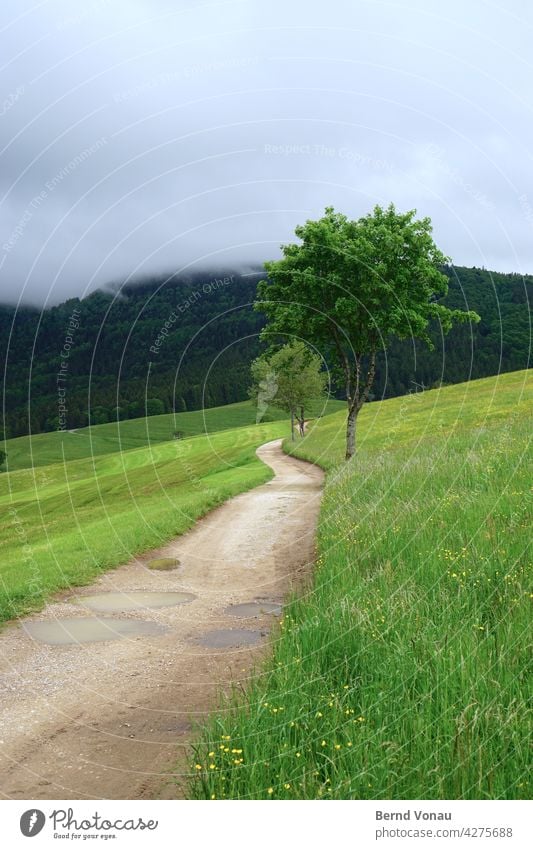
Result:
{"points": [[111, 720]]}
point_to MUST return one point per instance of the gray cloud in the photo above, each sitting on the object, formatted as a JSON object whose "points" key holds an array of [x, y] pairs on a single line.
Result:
{"points": [[138, 137]]}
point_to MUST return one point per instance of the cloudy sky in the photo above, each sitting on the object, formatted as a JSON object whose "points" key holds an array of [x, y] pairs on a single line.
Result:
{"points": [[140, 137]]}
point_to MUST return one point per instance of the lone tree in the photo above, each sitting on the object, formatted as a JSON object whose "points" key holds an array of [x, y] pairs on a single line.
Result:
{"points": [[349, 286], [289, 379], [3, 457]]}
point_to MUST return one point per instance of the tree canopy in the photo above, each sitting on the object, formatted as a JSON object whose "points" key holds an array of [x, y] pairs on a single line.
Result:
{"points": [[289, 378], [349, 286]]}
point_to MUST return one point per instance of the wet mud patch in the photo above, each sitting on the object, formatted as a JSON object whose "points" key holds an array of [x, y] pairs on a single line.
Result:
{"points": [[135, 600], [64, 632], [250, 609]]}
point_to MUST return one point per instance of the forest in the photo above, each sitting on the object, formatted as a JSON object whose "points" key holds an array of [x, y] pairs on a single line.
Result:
{"points": [[186, 342]]}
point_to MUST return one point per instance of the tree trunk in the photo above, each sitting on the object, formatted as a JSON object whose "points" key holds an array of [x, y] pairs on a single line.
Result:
{"points": [[292, 425], [350, 432], [356, 398]]}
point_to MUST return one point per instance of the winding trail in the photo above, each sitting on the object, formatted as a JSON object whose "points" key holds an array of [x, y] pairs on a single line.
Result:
{"points": [[114, 720]]}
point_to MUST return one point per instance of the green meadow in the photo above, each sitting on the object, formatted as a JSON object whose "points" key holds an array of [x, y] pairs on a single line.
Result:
{"points": [[403, 672], [76, 503], [64, 523], [44, 449]]}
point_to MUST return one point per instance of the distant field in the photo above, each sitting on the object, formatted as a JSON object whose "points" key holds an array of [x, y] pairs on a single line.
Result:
{"points": [[403, 673], [44, 449], [64, 523]]}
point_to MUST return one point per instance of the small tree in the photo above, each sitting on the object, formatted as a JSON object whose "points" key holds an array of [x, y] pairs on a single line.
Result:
{"points": [[349, 286], [290, 378], [3, 458], [154, 407], [99, 415]]}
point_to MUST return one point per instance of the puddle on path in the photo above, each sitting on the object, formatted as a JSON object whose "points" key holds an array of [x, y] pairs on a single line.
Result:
{"points": [[63, 632], [163, 564], [104, 602], [228, 639], [253, 608]]}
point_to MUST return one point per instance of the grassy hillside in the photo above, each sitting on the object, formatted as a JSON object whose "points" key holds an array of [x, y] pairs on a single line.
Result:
{"points": [[434, 415], [403, 672], [43, 449], [68, 521]]}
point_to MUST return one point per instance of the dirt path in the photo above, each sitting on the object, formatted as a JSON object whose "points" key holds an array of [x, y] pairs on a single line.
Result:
{"points": [[112, 719]]}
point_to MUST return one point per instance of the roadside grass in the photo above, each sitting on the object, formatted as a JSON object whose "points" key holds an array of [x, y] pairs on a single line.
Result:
{"points": [[64, 523], [43, 449], [403, 672]]}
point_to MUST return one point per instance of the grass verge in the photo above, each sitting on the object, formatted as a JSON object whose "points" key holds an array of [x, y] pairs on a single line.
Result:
{"points": [[403, 673]]}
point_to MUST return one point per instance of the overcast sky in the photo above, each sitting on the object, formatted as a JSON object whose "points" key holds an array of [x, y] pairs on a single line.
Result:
{"points": [[141, 137]]}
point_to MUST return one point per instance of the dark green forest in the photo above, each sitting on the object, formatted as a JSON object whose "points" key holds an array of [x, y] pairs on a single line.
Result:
{"points": [[185, 342]]}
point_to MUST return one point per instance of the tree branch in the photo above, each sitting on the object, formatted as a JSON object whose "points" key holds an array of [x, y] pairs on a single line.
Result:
{"points": [[345, 365], [369, 380]]}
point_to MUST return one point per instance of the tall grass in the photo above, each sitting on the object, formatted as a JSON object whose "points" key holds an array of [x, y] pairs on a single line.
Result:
{"points": [[403, 672]]}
